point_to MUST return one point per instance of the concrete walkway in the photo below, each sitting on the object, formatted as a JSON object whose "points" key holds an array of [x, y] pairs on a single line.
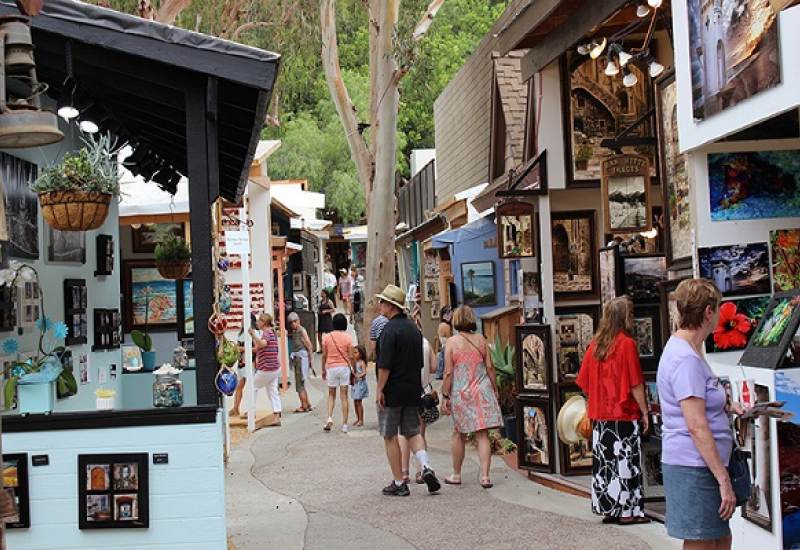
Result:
{"points": [[297, 487]]}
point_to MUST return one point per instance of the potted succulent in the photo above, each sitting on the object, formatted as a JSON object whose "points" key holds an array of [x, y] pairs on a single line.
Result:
{"points": [[75, 193], [503, 361], [582, 156], [173, 255], [143, 339]]}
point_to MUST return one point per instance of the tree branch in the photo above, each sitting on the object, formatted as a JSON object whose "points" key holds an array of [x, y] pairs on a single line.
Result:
{"points": [[169, 10], [427, 18], [374, 12], [247, 26]]}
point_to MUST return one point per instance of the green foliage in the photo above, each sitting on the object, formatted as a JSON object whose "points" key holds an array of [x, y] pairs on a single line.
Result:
{"points": [[142, 339], [66, 383], [170, 247], [503, 361], [93, 168]]}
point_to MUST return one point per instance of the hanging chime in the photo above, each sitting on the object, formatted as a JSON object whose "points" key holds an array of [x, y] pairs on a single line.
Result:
{"points": [[23, 123]]}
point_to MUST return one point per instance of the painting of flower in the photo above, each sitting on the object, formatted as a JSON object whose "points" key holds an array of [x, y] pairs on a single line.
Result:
{"points": [[737, 321], [785, 244]]}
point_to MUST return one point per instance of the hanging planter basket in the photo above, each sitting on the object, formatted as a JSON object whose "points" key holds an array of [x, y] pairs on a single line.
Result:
{"points": [[74, 210], [174, 269]]}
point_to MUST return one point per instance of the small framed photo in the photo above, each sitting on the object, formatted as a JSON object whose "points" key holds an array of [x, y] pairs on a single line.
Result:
{"points": [[98, 477], [515, 238], [534, 434], [297, 282], [575, 328], [647, 333], [131, 358], [642, 274], [626, 193], [534, 362], [769, 343], [431, 290], [98, 508], [126, 507], [113, 491], [15, 484], [126, 476]]}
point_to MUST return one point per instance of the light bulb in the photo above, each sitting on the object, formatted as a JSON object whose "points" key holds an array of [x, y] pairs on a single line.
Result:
{"points": [[652, 234], [68, 112], [611, 68], [642, 11], [655, 69], [597, 49], [583, 49], [89, 127], [624, 57], [654, 3], [629, 80]]}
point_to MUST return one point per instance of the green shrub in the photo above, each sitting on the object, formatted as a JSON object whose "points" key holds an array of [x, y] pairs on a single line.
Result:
{"points": [[92, 168]]}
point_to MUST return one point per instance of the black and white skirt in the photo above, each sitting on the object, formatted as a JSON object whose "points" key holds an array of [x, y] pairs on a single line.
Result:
{"points": [[616, 469]]}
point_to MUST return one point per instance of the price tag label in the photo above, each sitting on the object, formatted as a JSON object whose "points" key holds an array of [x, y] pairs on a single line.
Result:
{"points": [[237, 242]]}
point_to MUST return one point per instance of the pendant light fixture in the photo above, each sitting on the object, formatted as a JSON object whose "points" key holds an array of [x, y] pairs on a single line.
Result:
{"points": [[66, 101], [624, 57], [655, 68], [655, 4], [611, 68], [597, 48], [630, 79], [642, 11]]}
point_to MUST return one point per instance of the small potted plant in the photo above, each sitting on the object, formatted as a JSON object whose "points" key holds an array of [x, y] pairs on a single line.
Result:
{"points": [[582, 156], [143, 339], [75, 193], [173, 255], [503, 361]]}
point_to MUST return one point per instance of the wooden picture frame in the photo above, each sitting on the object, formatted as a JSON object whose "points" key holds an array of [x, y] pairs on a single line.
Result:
{"points": [[534, 369], [142, 237], [647, 334], [573, 334], [570, 465], [113, 491], [15, 467], [575, 274], [611, 272], [675, 176], [164, 290], [625, 189], [535, 430], [669, 310], [641, 275], [770, 341], [515, 230], [471, 270]]}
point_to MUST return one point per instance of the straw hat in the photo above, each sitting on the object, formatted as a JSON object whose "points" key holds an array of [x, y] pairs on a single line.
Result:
{"points": [[570, 418], [394, 295]]}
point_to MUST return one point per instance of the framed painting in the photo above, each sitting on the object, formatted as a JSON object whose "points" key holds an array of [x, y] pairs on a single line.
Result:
{"points": [[66, 246], [675, 176], [186, 310], [148, 297], [534, 364], [143, 237], [785, 248], [575, 328], [611, 272], [670, 318], [734, 56], [514, 229], [787, 388], [576, 458], [652, 476], [626, 194], [534, 434], [113, 491], [754, 185], [574, 266], [598, 108], [737, 269], [737, 323], [22, 207], [478, 284], [15, 484], [633, 244], [768, 345], [647, 333], [431, 290], [641, 275]]}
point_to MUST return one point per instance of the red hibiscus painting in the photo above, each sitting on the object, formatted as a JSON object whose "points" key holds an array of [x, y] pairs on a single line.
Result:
{"points": [[733, 328]]}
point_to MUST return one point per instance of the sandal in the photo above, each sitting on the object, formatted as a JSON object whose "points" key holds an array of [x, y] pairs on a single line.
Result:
{"points": [[610, 519], [419, 479], [639, 520], [486, 483], [300, 410], [452, 480]]}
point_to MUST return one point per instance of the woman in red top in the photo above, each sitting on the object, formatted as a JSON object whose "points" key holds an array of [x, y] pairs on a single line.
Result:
{"points": [[612, 380]]}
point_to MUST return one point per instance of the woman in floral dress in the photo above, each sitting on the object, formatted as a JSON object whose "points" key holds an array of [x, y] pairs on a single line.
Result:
{"points": [[469, 390]]}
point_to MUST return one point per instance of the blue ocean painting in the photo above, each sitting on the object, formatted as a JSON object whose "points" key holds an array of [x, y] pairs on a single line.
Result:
{"points": [[478, 285], [188, 307], [787, 388], [754, 185], [162, 293]]}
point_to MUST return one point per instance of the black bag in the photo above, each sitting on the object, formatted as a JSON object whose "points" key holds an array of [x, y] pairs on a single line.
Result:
{"points": [[739, 473], [357, 300], [429, 409]]}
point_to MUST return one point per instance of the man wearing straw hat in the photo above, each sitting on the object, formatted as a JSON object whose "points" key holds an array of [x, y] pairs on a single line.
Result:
{"points": [[400, 389]]}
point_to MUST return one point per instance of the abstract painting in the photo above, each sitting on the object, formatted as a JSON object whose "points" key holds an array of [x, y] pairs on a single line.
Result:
{"points": [[733, 51], [785, 245], [754, 185], [478, 284], [534, 434], [787, 388], [575, 327], [737, 269], [574, 268], [642, 275], [737, 323], [22, 207]]}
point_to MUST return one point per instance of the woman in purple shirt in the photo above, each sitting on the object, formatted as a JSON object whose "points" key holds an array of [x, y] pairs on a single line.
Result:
{"points": [[697, 440]]}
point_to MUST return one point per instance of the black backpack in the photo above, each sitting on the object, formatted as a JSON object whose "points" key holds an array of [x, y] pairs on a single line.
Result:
{"points": [[357, 300]]}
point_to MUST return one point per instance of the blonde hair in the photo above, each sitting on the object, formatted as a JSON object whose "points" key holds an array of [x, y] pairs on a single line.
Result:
{"points": [[266, 319], [692, 297], [617, 317], [464, 319]]}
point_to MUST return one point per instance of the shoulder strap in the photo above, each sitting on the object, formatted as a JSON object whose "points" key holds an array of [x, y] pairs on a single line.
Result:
{"points": [[474, 346], [346, 358]]}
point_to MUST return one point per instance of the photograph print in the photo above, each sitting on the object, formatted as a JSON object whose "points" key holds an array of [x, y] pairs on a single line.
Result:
{"points": [[113, 491], [574, 268], [534, 434], [652, 475], [737, 323], [754, 185], [785, 248], [737, 269], [642, 274], [758, 509], [533, 358], [126, 476], [733, 50], [626, 194], [647, 333], [22, 207], [66, 246], [576, 458], [478, 284], [515, 230], [787, 388], [610, 274], [575, 328], [770, 341], [98, 508]]}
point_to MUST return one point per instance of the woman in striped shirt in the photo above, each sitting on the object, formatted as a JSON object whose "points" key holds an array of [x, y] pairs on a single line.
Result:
{"points": [[268, 365]]}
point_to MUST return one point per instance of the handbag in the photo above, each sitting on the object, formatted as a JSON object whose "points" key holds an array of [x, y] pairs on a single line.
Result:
{"points": [[429, 406], [349, 364], [739, 472]]}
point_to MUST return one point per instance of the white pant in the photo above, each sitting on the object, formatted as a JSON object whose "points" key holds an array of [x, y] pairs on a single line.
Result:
{"points": [[269, 379]]}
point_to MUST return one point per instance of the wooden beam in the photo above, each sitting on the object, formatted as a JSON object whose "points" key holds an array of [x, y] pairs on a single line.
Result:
{"points": [[533, 16], [180, 217]]}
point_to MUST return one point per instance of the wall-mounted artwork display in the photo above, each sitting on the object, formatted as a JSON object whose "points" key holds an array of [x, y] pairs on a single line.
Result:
{"points": [[235, 317], [144, 236], [737, 323], [758, 509], [576, 458], [359, 254], [737, 269], [641, 277], [610, 274], [515, 229], [733, 50], [113, 491], [431, 264], [647, 333], [28, 296], [600, 108], [186, 311], [626, 194], [785, 244], [574, 249], [754, 185], [652, 476], [147, 292], [431, 291], [8, 309], [297, 282], [15, 484], [22, 207], [634, 244], [575, 327], [770, 341], [478, 284], [534, 365], [534, 434], [66, 246], [76, 301], [787, 388], [675, 176], [107, 329]]}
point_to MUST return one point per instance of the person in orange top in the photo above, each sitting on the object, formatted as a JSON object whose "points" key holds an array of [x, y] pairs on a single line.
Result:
{"points": [[337, 349], [611, 377]]}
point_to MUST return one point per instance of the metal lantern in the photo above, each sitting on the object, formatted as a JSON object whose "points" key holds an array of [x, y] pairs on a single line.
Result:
{"points": [[23, 123]]}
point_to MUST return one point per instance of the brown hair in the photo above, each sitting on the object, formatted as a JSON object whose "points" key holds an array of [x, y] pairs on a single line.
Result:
{"points": [[617, 317], [692, 297], [464, 319], [265, 318]]}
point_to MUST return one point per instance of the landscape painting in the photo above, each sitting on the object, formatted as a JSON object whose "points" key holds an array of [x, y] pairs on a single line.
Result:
{"points": [[575, 328], [737, 269], [754, 185], [785, 246], [787, 388], [627, 204], [149, 297], [642, 275], [733, 48], [574, 269], [478, 284], [737, 323]]}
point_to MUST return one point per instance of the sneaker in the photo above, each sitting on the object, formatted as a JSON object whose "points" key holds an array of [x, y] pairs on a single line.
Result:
{"points": [[344, 428], [328, 425], [394, 490], [429, 477]]}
